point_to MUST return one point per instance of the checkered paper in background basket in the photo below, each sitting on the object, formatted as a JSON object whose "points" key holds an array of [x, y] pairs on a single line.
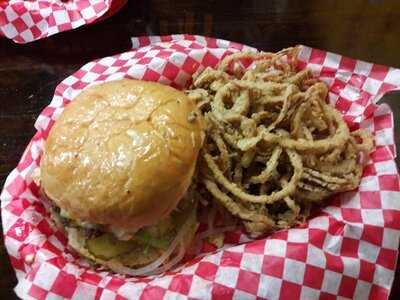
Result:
{"points": [[348, 250], [27, 21]]}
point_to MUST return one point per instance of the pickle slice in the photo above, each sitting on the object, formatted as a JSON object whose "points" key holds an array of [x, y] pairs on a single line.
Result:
{"points": [[139, 256], [106, 246], [146, 238]]}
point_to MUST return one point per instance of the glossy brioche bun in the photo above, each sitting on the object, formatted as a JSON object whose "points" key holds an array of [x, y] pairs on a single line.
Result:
{"points": [[122, 153]]}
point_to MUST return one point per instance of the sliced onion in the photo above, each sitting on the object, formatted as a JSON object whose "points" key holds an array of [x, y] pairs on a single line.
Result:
{"points": [[210, 232], [173, 261], [205, 234], [211, 217], [152, 267]]}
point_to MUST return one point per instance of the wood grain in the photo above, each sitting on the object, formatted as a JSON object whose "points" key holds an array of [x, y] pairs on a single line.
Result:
{"points": [[367, 30]]}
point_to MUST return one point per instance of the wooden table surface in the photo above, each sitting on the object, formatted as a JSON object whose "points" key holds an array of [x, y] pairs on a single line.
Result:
{"points": [[368, 30]]}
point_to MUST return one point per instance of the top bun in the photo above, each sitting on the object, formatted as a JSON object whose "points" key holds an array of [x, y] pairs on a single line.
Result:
{"points": [[122, 153]]}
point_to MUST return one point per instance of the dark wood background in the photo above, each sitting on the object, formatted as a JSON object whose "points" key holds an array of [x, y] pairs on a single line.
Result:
{"points": [[368, 30]]}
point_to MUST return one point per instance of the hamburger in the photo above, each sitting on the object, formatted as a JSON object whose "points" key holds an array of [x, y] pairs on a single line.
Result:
{"points": [[115, 174]]}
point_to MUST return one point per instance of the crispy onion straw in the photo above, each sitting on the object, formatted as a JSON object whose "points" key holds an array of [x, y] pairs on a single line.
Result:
{"points": [[238, 192], [274, 145]]}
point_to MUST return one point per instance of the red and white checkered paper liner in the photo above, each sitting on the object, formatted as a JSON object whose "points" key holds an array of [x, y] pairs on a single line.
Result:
{"points": [[348, 250], [26, 21]]}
